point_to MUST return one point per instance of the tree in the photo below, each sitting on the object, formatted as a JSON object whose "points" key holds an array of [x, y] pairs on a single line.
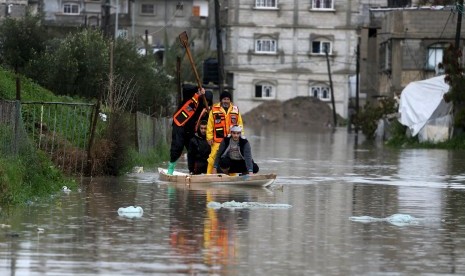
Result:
{"points": [[21, 40], [155, 87], [454, 77], [75, 66]]}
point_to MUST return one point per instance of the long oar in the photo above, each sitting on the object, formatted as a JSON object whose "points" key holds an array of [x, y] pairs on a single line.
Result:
{"points": [[185, 42]]}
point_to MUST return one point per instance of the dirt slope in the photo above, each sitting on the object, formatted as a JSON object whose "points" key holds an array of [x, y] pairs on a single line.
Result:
{"points": [[296, 112]]}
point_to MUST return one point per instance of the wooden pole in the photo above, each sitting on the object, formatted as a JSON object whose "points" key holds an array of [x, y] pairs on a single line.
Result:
{"points": [[219, 48], [185, 42], [18, 83], [331, 87], [459, 24], [357, 82]]}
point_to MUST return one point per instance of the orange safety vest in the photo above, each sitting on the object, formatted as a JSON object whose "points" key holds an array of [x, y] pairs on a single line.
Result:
{"points": [[183, 115], [222, 122]]}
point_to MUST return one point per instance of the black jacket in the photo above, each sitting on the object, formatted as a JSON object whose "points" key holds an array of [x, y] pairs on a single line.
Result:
{"points": [[244, 147], [198, 151]]}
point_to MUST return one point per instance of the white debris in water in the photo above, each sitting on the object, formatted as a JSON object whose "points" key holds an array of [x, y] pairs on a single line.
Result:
{"points": [[103, 116], [137, 169], [66, 189], [242, 205], [396, 219], [131, 212]]}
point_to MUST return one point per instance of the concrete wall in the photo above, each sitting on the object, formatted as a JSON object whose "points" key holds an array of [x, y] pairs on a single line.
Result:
{"points": [[410, 33]]}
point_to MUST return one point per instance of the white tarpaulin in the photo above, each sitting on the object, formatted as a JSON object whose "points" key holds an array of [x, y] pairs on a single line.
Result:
{"points": [[422, 103]]}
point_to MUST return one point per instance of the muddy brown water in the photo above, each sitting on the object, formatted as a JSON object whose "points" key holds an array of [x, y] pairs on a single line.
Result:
{"points": [[327, 178]]}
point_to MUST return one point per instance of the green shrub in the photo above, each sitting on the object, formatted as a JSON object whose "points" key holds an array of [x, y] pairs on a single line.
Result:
{"points": [[29, 179], [367, 119]]}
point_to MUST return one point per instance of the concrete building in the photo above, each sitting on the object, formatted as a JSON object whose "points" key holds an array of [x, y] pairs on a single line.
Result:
{"points": [[406, 45], [13, 8], [276, 49], [145, 21], [64, 13]]}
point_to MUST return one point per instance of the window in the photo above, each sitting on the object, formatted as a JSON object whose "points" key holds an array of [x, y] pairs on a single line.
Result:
{"points": [[321, 92], [147, 9], [265, 46], [320, 47], [400, 3], [323, 4], [266, 3], [71, 8], [264, 91], [435, 55]]}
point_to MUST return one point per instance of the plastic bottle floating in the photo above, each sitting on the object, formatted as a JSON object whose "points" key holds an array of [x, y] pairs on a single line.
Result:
{"points": [[131, 212]]}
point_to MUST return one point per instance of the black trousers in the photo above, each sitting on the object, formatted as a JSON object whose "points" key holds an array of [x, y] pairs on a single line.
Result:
{"points": [[180, 138], [200, 167], [235, 166]]}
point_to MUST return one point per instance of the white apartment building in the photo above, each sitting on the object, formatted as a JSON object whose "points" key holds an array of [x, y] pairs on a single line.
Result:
{"points": [[275, 49]]}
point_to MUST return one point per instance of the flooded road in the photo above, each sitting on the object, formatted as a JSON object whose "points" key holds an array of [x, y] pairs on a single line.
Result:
{"points": [[328, 178]]}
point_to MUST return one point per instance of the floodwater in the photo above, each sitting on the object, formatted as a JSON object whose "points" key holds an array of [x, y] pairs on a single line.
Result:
{"points": [[326, 177]]}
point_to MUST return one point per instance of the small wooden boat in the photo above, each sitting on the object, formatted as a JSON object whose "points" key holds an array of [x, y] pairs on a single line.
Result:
{"points": [[254, 180]]}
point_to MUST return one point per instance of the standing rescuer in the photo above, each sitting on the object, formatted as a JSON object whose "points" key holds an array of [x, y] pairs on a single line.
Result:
{"points": [[185, 120], [222, 116]]}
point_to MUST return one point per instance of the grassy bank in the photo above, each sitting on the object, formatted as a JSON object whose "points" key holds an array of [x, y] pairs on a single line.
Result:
{"points": [[150, 160], [400, 140], [24, 180], [455, 143], [27, 177]]}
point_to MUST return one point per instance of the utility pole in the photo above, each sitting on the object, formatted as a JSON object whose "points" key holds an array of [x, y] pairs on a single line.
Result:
{"points": [[357, 83], [116, 20], [459, 24], [146, 42], [219, 47], [18, 83], [106, 18], [331, 87]]}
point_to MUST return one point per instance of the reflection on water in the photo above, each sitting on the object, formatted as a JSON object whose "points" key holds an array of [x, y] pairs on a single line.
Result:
{"points": [[327, 177]]}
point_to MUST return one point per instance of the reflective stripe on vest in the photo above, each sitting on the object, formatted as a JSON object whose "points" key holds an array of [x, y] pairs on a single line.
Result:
{"points": [[183, 115], [220, 126]]}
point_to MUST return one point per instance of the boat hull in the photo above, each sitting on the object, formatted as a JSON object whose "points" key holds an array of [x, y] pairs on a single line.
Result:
{"points": [[256, 180]]}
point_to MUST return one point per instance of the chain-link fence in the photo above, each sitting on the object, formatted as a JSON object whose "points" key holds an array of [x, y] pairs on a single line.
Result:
{"points": [[13, 136], [62, 130]]}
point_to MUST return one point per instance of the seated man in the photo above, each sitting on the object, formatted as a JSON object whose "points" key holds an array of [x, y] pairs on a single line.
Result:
{"points": [[198, 150], [235, 154]]}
